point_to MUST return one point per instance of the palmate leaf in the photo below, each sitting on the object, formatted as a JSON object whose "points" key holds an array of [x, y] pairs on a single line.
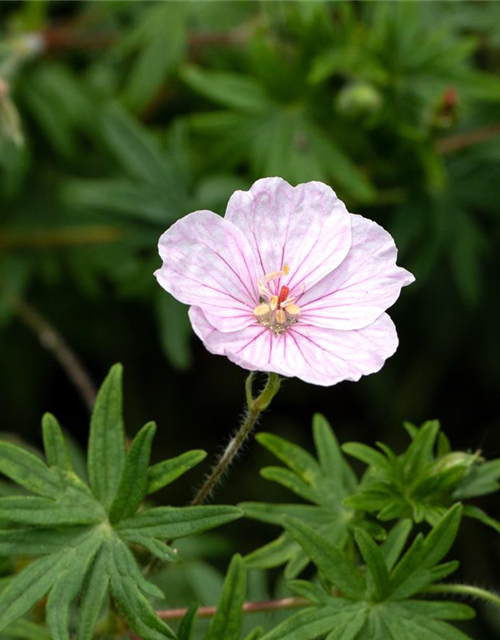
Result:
{"points": [[83, 533], [227, 621], [379, 603], [424, 481], [325, 482]]}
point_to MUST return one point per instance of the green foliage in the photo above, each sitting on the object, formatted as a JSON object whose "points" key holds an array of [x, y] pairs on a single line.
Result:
{"points": [[383, 600], [82, 534], [326, 483], [356, 95], [422, 482]]}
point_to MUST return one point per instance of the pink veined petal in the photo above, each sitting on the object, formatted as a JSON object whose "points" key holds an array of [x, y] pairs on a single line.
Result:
{"points": [[208, 262], [306, 227], [366, 283], [251, 347], [313, 354], [326, 356]]}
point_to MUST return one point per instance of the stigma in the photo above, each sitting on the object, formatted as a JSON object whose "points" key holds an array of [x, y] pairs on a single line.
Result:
{"points": [[277, 309]]}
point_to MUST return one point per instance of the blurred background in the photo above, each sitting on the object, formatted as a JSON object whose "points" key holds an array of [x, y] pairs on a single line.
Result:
{"points": [[118, 118]]}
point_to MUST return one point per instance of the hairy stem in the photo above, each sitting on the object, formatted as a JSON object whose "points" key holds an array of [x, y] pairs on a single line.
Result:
{"points": [[254, 408], [53, 341], [465, 590]]}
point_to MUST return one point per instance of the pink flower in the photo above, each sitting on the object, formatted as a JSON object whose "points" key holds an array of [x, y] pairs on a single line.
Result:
{"points": [[288, 281]]}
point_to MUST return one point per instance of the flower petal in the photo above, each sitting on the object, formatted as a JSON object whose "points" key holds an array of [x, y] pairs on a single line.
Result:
{"points": [[313, 354], [326, 356], [252, 347], [366, 283], [306, 227], [208, 262]]}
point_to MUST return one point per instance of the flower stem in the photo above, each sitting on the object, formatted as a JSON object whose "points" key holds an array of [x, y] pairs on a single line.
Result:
{"points": [[255, 406], [465, 590]]}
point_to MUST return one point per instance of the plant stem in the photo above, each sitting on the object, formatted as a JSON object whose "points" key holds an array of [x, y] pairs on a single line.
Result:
{"points": [[53, 341], [467, 139], [248, 607], [465, 590], [254, 408]]}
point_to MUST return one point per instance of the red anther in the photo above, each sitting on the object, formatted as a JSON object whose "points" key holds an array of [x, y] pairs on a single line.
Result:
{"points": [[283, 294]]}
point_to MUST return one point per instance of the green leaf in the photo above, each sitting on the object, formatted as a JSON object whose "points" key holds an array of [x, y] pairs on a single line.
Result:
{"points": [[186, 627], [26, 630], [419, 454], [56, 450], [317, 621], [162, 474], [229, 89], [178, 522], [133, 482], [137, 151], [29, 586], [333, 563], [106, 451], [328, 450], [156, 547], [228, 620], [299, 461], [291, 481], [272, 554], [28, 470], [35, 542], [46, 512], [395, 542], [366, 454], [375, 562], [124, 199], [94, 593], [309, 591], [126, 564], [165, 23], [139, 613], [479, 514], [414, 570], [68, 587]]}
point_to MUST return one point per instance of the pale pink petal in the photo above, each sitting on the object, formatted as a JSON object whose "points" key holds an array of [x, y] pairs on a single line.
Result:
{"points": [[252, 347], [208, 262], [316, 355], [326, 356], [366, 283], [305, 227]]}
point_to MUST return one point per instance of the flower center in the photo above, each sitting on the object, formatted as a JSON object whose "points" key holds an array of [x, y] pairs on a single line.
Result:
{"points": [[277, 310]]}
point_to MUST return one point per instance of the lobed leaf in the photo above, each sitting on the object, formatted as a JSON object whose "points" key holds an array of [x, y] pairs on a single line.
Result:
{"points": [[28, 470], [106, 450], [133, 482], [228, 620], [332, 562], [178, 522], [56, 450], [162, 474]]}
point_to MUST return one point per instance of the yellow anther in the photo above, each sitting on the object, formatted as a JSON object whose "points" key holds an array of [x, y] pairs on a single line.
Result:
{"points": [[261, 310], [273, 303], [277, 274], [292, 309], [280, 316]]}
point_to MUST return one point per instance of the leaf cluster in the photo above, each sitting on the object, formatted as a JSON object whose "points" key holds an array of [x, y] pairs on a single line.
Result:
{"points": [[422, 482], [85, 535], [383, 600]]}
